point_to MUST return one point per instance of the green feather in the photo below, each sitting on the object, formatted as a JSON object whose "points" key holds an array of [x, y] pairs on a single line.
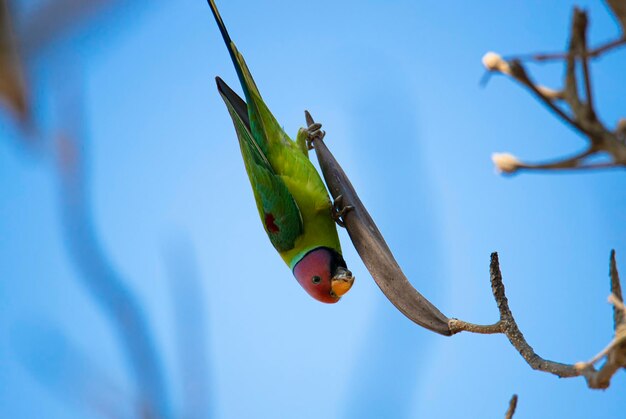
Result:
{"points": [[277, 208], [285, 183]]}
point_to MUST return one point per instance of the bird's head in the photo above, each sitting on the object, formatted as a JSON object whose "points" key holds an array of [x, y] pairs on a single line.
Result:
{"points": [[323, 274]]}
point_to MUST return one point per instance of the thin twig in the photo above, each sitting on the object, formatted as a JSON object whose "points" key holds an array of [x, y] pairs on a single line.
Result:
{"points": [[571, 79], [509, 164], [559, 56], [616, 291], [615, 352], [520, 74], [457, 325], [512, 406], [585, 65], [509, 327]]}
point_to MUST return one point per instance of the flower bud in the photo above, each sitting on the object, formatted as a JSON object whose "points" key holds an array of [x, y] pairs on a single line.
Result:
{"points": [[494, 62], [505, 163]]}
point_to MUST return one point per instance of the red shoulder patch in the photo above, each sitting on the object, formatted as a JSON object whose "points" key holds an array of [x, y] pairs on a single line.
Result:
{"points": [[270, 223]]}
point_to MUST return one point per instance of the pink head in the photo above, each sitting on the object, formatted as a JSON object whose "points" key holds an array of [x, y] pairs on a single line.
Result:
{"points": [[323, 274]]}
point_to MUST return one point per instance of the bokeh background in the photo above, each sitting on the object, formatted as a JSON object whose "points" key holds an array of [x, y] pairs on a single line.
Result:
{"points": [[133, 265]]}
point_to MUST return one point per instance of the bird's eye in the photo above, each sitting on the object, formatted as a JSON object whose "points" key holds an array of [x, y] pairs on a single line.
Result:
{"points": [[316, 279]]}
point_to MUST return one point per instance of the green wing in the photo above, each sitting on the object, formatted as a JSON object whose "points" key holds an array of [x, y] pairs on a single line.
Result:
{"points": [[278, 211]]}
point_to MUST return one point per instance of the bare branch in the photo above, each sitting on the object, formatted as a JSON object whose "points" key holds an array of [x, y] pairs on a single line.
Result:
{"points": [[457, 325], [615, 352], [519, 73], [616, 292], [560, 56], [567, 103], [618, 8], [509, 164], [379, 260], [582, 33], [512, 406], [509, 327]]}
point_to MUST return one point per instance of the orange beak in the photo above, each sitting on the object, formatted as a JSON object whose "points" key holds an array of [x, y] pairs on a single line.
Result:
{"points": [[341, 282]]}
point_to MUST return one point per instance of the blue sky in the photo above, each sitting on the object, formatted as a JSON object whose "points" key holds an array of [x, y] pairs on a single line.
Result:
{"points": [[396, 85]]}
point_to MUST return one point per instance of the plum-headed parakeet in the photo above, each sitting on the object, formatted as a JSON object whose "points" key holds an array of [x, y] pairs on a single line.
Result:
{"points": [[293, 203]]}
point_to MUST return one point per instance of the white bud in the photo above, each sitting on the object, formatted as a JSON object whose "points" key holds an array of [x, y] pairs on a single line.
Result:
{"points": [[505, 162], [494, 62]]}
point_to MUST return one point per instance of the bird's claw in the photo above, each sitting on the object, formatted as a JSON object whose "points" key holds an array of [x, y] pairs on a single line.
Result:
{"points": [[314, 131], [339, 211]]}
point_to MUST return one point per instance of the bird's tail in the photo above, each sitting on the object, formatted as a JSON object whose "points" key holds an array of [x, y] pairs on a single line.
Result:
{"points": [[245, 78]]}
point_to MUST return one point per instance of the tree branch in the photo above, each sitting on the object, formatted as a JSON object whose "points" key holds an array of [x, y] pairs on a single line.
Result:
{"points": [[380, 262], [512, 406], [615, 352], [508, 326], [567, 103]]}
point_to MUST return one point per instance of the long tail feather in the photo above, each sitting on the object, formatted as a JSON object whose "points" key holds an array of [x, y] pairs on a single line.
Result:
{"points": [[247, 83], [223, 30]]}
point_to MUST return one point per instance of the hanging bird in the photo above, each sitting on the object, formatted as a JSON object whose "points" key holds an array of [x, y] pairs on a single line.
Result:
{"points": [[293, 203]]}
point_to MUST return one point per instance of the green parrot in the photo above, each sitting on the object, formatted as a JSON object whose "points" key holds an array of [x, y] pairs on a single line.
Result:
{"points": [[291, 198]]}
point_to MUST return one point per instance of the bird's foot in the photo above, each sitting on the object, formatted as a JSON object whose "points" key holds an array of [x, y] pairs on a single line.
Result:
{"points": [[314, 131], [339, 211]]}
